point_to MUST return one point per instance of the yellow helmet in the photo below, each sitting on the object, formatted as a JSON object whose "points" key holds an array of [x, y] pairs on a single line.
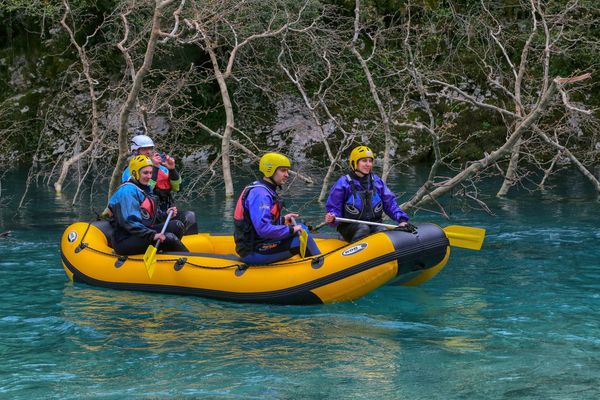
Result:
{"points": [[137, 163], [271, 161], [358, 153]]}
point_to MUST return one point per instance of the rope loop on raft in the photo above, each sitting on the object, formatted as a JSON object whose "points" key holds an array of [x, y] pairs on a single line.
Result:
{"points": [[316, 261]]}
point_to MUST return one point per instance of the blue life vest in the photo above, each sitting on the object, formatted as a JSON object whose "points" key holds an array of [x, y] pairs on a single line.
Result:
{"points": [[147, 206], [363, 204]]}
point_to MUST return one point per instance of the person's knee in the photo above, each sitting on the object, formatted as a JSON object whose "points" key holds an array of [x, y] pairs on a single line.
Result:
{"points": [[170, 238], [191, 227], [312, 248], [172, 243], [176, 227], [189, 217]]}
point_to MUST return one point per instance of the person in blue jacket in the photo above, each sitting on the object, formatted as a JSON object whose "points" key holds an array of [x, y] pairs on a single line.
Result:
{"points": [[361, 195], [165, 178], [262, 235], [136, 217]]}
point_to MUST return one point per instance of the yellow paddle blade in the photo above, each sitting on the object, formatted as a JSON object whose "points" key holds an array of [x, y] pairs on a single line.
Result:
{"points": [[303, 242], [466, 237], [150, 260]]}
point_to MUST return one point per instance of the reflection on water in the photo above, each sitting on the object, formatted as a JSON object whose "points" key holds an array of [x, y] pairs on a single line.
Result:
{"points": [[250, 342], [234, 333], [460, 343]]}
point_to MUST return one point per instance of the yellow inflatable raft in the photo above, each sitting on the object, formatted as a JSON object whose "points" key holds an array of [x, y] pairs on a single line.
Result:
{"points": [[211, 269]]}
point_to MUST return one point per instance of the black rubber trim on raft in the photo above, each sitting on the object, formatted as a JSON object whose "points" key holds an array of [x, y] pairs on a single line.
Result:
{"points": [[300, 294], [426, 248], [290, 296]]}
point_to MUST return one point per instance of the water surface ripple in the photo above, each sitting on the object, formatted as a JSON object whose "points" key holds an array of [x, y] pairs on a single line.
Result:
{"points": [[518, 319]]}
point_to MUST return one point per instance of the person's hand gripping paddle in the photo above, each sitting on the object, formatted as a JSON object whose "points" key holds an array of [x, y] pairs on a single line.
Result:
{"points": [[150, 255]]}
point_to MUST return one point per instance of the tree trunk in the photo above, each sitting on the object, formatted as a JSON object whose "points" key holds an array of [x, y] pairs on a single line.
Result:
{"points": [[115, 179], [229, 124], [374, 93], [511, 171], [496, 155], [584, 171], [85, 63]]}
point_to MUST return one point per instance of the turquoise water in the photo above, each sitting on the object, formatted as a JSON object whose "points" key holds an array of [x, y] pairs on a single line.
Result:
{"points": [[518, 319]]}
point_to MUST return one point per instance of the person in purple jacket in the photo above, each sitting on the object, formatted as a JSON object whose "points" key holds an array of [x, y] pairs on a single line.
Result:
{"points": [[361, 195], [262, 235]]}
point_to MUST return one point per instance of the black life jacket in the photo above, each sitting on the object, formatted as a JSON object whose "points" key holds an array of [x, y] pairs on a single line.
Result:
{"points": [[245, 236], [363, 204], [165, 198]]}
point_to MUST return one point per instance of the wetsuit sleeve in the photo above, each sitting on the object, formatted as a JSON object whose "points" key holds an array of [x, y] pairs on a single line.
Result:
{"points": [[337, 199], [390, 205], [259, 203], [174, 179], [126, 175], [125, 205]]}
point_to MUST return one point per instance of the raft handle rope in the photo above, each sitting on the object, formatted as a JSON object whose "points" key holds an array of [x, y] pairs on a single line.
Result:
{"points": [[120, 261], [80, 247], [241, 269], [317, 261], [179, 262], [81, 244]]}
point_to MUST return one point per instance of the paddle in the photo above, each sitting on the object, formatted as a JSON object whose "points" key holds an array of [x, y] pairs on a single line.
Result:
{"points": [[316, 228], [150, 255], [303, 239], [466, 237]]}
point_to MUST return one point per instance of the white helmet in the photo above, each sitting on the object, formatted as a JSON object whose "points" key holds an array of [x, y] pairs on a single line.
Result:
{"points": [[140, 141]]}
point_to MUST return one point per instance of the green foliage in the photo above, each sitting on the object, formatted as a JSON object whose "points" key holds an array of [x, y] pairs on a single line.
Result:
{"points": [[30, 8]]}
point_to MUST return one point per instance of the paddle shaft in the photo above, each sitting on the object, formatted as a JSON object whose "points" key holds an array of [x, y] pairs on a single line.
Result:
{"points": [[316, 228], [164, 228], [294, 224], [459, 236], [356, 221]]}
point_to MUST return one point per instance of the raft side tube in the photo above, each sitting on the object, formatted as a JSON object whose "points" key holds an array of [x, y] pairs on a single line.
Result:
{"points": [[347, 272], [417, 252], [300, 295]]}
